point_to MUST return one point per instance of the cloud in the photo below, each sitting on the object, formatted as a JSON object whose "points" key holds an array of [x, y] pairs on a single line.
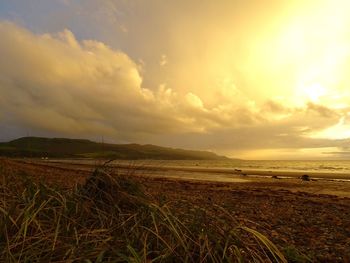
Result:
{"points": [[194, 101], [347, 154], [57, 84], [163, 60], [65, 2]]}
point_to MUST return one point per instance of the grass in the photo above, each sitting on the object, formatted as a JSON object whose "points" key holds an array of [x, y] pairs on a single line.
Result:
{"points": [[112, 219], [294, 256]]}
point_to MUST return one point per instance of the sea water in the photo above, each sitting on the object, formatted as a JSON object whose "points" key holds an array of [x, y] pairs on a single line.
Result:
{"points": [[206, 168], [326, 166]]}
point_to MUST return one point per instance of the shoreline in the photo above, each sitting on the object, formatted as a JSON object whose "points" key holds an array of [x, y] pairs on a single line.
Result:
{"points": [[311, 216], [324, 186], [286, 174]]}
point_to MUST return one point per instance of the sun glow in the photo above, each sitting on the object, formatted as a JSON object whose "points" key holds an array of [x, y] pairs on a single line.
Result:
{"points": [[304, 55], [256, 75], [314, 92]]}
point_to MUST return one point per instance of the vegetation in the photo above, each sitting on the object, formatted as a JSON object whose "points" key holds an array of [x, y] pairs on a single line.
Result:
{"points": [[111, 218], [305, 177], [77, 148], [294, 256]]}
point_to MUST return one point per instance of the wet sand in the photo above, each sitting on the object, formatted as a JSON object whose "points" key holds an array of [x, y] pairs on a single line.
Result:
{"points": [[209, 170], [320, 183]]}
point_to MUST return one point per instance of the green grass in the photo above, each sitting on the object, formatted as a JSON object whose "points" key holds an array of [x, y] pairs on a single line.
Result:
{"points": [[111, 219]]}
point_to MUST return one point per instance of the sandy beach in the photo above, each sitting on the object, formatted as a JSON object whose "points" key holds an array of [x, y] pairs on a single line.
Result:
{"points": [[311, 216], [320, 182]]}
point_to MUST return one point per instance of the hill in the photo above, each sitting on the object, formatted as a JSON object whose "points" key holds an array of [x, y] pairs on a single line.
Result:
{"points": [[79, 148]]}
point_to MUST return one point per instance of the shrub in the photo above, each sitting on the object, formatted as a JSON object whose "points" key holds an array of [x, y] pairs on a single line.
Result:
{"points": [[111, 219]]}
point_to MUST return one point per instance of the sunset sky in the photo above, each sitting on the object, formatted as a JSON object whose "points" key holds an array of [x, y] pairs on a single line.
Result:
{"points": [[248, 79]]}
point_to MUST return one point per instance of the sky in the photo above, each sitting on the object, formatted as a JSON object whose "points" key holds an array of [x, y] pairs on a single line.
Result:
{"points": [[246, 79]]}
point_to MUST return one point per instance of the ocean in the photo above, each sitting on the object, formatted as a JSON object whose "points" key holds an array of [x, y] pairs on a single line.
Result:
{"points": [[324, 166], [331, 166], [332, 169]]}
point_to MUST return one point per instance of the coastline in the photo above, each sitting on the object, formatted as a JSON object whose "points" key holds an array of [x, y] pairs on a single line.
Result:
{"points": [[312, 217], [320, 183], [215, 170]]}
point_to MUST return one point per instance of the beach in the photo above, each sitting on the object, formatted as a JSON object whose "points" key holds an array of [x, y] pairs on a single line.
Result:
{"points": [[321, 182], [310, 216]]}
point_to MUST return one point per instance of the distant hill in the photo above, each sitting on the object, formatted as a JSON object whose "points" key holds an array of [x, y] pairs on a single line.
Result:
{"points": [[78, 148]]}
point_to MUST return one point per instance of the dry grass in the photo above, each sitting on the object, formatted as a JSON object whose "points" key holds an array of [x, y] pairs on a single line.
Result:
{"points": [[111, 219]]}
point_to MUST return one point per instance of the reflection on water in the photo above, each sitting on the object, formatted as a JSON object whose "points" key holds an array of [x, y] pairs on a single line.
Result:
{"points": [[312, 166], [199, 176]]}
